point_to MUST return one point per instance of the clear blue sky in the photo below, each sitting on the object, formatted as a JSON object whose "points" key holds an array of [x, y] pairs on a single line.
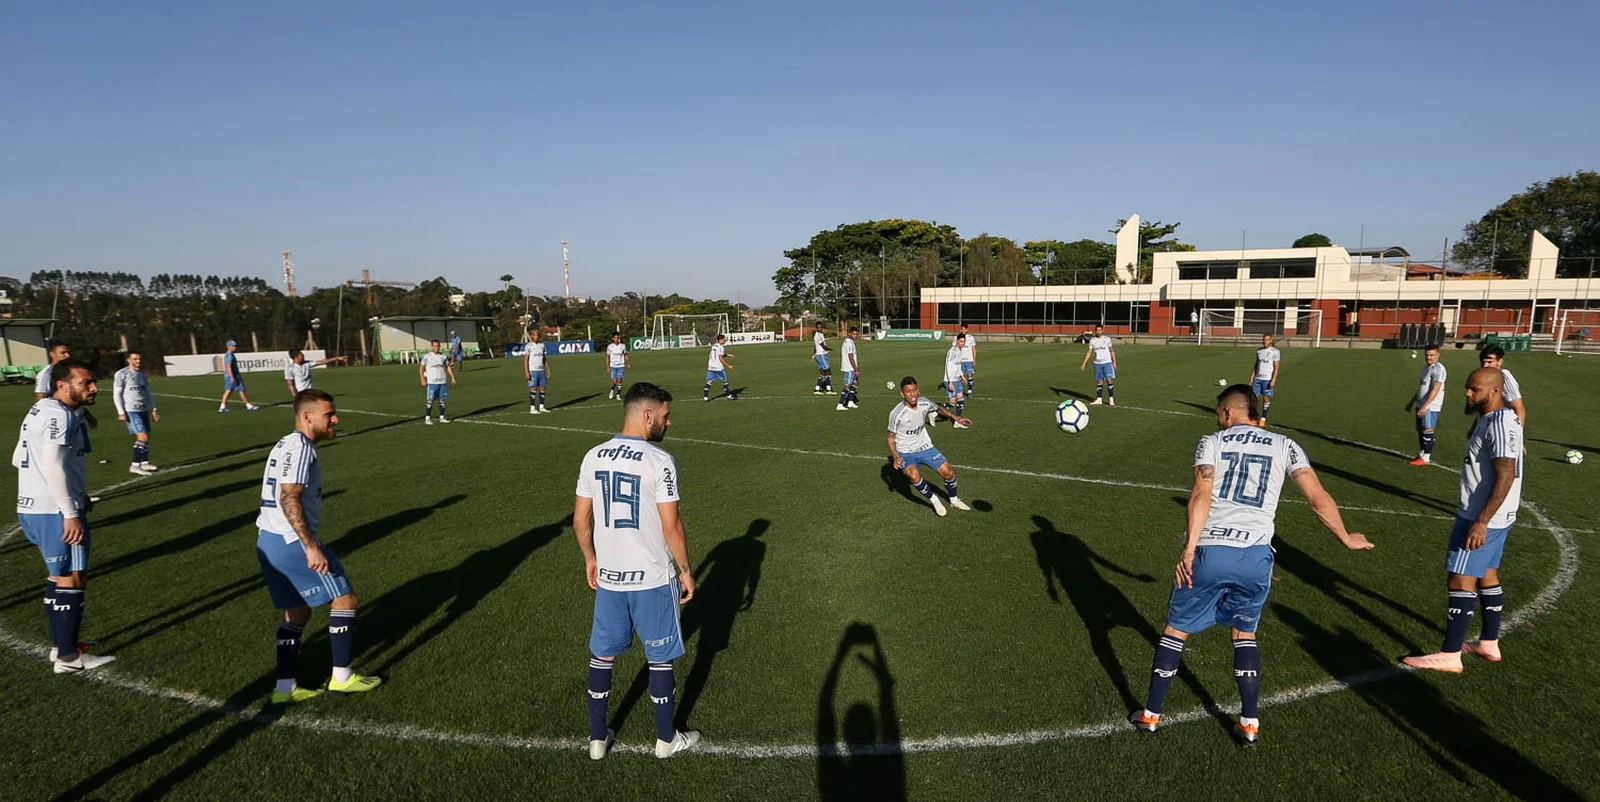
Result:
{"points": [[685, 148]]}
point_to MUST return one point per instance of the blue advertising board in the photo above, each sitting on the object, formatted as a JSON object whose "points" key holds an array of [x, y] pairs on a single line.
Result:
{"points": [[552, 348]]}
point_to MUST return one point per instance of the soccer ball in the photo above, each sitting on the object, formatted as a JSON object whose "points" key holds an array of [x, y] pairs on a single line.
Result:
{"points": [[1072, 416], [889, 385], [1222, 382], [1575, 457], [1413, 354]]}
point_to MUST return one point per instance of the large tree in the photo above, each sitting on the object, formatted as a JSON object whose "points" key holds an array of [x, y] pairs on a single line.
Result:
{"points": [[1313, 240], [1085, 261], [883, 263], [1566, 209]]}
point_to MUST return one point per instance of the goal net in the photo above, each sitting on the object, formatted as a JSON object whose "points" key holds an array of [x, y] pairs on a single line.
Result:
{"points": [[685, 331], [1578, 330], [1230, 323]]}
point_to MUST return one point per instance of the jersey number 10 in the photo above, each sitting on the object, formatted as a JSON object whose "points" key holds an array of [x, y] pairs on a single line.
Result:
{"points": [[1243, 470]]}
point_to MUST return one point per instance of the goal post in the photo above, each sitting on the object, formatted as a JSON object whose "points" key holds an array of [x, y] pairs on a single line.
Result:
{"points": [[1577, 330], [1230, 322], [675, 331]]}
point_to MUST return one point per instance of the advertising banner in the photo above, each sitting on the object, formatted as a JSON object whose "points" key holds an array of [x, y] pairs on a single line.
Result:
{"points": [[908, 334], [752, 337], [249, 362], [551, 348], [665, 343]]}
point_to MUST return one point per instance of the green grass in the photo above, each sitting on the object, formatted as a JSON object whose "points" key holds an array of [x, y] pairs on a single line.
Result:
{"points": [[1033, 613]]}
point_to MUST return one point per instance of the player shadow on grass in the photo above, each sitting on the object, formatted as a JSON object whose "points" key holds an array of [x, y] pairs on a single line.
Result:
{"points": [[455, 591], [1069, 566], [1456, 740], [1571, 446], [1333, 584], [870, 764], [571, 402], [725, 585], [491, 408], [236, 708], [1081, 396], [732, 393]]}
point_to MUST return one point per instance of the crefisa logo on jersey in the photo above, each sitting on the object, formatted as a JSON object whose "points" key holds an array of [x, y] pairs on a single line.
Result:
{"points": [[620, 452]]}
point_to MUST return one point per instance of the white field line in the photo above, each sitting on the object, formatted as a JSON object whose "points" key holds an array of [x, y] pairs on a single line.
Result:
{"points": [[1547, 598]]}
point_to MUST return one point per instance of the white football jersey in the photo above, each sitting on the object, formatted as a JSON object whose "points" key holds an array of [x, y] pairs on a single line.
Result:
{"points": [[130, 390], [41, 383], [627, 477], [1101, 346], [714, 362], [966, 350], [617, 355], [292, 461], [1497, 435], [910, 426], [1251, 464], [816, 343], [434, 368], [1430, 374], [534, 356], [50, 446], [952, 365], [299, 374], [847, 352], [1511, 391], [1265, 359]]}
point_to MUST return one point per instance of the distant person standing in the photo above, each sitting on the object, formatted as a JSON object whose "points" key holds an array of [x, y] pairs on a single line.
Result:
{"points": [[617, 363], [537, 370], [969, 358], [1194, 323], [1493, 356], [457, 353], [297, 375], [130, 391], [53, 505], [1105, 366], [432, 370], [717, 368], [233, 380], [300, 572], [819, 355], [1264, 375], [57, 352], [1428, 403], [851, 365]]}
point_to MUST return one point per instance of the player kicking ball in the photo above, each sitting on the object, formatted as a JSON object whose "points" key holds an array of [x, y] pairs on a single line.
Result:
{"points": [[1225, 571], [910, 446]]}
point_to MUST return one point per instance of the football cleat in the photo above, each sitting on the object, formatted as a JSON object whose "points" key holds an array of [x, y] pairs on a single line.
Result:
{"points": [[543, 409], [443, 419], [938, 507], [296, 695], [251, 407], [138, 471], [1419, 461], [682, 742], [149, 467], [1096, 402], [959, 504], [356, 684], [1487, 649], [428, 420], [222, 409], [83, 646], [840, 408], [84, 662], [1145, 721], [853, 405], [1448, 662], [1112, 402], [533, 410], [960, 425], [598, 749], [1246, 734]]}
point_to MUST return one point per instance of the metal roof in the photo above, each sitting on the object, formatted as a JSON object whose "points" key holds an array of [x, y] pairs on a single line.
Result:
{"points": [[1380, 253], [409, 319]]}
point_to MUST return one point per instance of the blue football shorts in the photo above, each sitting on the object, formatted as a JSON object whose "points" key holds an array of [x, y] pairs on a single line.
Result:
{"points": [[290, 582], [653, 614], [616, 373], [1262, 388], [438, 392], [1230, 588], [1104, 371], [1478, 561], [930, 457], [822, 362], [138, 422], [537, 380], [45, 530]]}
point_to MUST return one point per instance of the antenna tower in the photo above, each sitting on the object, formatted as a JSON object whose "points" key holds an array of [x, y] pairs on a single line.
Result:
{"points": [[288, 273], [566, 269]]}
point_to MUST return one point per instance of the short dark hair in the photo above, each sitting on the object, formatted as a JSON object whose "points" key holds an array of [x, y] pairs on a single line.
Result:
{"points": [[53, 344], [961, 336], [907, 381], [1432, 347], [963, 324], [617, 334], [62, 371], [1236, 394], [306, 398], [856, 329], [294, 352], [818, 324], [133, 352], [433, 342], [722, 336], [645, 393], [1491, 350]]}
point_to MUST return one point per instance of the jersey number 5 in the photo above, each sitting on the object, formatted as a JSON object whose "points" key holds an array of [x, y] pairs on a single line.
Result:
{"points": [[619, 488]]}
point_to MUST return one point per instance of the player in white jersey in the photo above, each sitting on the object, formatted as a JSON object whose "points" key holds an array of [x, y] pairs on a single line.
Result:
{"points": [[537, 371], [1493, 356], [130, 391], [717, 364], [617, 363], [56, 351], [1225, 571], [300, 572], [910, 445], [969, 359], [636, 559], [297, 374], [53, 505], [1105, 366], [819, 355], [954, 383], [1491, 491], [1428, 401], [433, 369], [850, 363], [1264, 375]]}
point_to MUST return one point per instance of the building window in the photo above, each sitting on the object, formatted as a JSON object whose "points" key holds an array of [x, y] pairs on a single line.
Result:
{"points": [[1283, 268], [1203, 271]]}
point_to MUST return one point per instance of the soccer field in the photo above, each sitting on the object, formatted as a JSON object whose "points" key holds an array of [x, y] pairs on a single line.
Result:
{"points": [[990, 653]]}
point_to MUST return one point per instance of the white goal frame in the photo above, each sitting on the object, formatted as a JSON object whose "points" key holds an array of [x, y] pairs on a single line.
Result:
{"points": [[1231, 322], [666, 328], [1572, 321]]}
